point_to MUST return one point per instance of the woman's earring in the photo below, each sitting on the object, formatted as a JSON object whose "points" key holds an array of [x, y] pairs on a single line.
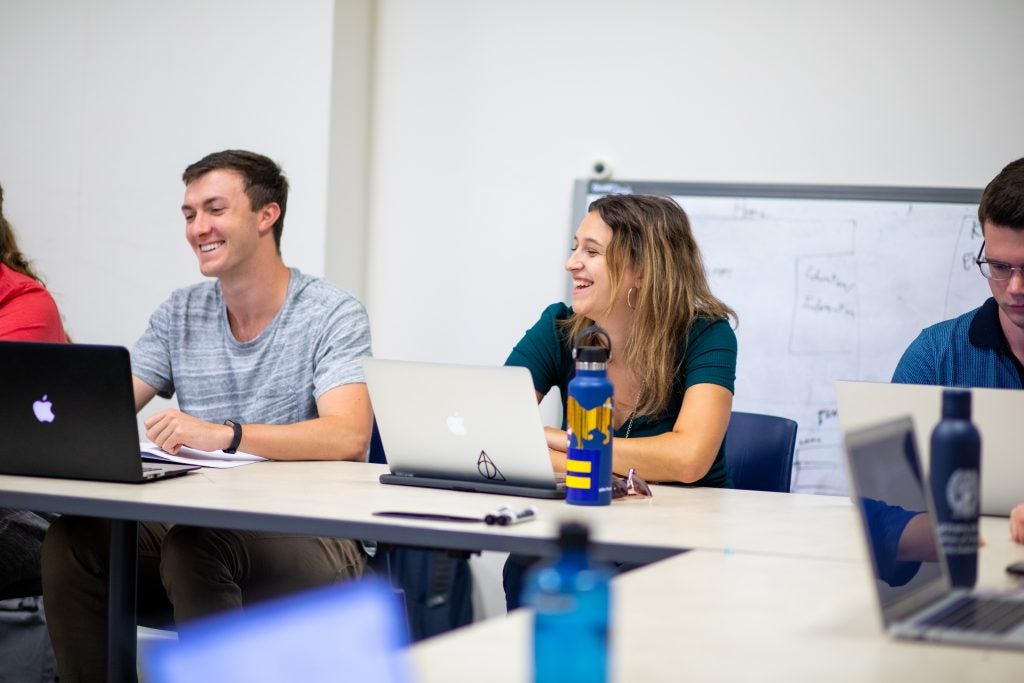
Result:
{"points": [[629, 293]]}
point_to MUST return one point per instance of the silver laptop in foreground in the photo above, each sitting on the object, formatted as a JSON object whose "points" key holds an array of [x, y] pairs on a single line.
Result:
{"points": [[914, 592], [995, 412], [68, 411], [461, 427]]}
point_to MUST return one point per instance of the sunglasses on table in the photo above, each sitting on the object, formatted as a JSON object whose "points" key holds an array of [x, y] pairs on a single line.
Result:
{"points": [[630, 485]]}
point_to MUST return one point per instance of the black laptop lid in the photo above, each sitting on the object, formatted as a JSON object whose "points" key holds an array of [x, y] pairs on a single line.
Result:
{"points": [[67, 410]]}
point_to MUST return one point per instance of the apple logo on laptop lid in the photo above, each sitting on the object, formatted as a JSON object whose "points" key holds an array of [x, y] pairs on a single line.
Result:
{"points": [[43, 409], [457, 424]]}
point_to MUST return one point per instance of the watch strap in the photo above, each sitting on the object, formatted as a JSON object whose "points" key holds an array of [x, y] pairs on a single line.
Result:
{"points": [[236, 439]]}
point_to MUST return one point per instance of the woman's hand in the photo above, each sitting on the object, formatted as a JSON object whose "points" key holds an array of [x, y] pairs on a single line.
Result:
{"points": [[557, 460], [558, 444], [558, 440]]}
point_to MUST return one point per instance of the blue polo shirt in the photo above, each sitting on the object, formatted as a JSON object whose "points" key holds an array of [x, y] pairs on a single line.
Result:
{"points": [[968, 351]]}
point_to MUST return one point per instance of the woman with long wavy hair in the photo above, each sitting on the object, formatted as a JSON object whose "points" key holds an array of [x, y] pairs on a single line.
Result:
{"points": [[637, 272]]}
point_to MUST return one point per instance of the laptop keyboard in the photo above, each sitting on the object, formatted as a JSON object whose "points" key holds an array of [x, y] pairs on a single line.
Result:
{"points": [[986, 615]]}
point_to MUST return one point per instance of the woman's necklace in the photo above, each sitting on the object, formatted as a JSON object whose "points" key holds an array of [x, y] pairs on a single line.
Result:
{"points": [[632, 415]]}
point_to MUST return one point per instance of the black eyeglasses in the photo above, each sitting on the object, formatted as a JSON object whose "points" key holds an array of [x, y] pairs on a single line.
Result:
{"points": [[996, 270]]}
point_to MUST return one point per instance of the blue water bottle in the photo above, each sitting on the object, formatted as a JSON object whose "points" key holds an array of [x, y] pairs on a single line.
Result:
{"points": [[955, 476], [571, 600], [588, 466]]}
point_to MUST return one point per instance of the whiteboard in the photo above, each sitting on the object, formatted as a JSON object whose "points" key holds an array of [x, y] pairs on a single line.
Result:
{"points": [[828, 283]]}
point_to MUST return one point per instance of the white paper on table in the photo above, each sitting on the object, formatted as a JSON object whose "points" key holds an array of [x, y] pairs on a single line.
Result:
{"points": [[192, 456]]}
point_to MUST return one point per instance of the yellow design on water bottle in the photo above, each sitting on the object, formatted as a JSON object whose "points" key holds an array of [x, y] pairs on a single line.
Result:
{"points": [[576, 482], [583, 422], [575, 469]]}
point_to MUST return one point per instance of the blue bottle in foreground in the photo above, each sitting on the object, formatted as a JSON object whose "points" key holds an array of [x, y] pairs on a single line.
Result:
{"points": [[955, 477], [571, 600], [588, 466]]}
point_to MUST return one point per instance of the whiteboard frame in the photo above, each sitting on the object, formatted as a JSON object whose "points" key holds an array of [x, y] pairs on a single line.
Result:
{"points": [[939, 195]]}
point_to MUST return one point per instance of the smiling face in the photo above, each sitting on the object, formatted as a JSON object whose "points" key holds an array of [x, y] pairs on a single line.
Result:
{"points": [[593, 293], [1006, 245], [220, 224]]}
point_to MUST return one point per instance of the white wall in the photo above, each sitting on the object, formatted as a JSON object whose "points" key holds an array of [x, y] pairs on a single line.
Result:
{"points": [[105, 102], [349, 151], [486, 111]]}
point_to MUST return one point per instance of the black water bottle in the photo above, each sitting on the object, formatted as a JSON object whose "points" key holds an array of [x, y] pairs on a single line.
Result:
{"points": [[956, 486]]}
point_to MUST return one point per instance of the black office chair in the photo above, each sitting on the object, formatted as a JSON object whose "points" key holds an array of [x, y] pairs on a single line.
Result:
{"points": [[759, 451], [436, 585]]}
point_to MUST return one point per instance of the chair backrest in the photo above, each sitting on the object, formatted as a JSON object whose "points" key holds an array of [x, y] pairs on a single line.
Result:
{"points": [[759, 451], [377, 455]]}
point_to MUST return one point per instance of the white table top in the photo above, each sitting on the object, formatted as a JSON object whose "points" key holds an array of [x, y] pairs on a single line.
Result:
{"points": [[339, 498], [708, 615]]}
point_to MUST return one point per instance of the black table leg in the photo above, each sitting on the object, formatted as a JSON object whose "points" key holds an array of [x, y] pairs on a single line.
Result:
{"points": [[121, 624]]}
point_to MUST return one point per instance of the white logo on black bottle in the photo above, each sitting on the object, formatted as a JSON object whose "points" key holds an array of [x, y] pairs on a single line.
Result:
{"points": [[962, 494]]}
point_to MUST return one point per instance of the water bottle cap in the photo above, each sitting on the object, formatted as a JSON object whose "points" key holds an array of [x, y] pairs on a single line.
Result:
{"points": [[591, 354], [573, 536], [956, 403]]}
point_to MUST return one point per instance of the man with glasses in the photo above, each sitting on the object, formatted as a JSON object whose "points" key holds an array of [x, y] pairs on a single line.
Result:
{"points": [[984, 347]]}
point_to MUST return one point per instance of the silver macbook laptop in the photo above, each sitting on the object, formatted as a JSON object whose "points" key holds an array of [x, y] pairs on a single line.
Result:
{"points": [[995, 412], [913, 587], [68, 411], [461, 427]]}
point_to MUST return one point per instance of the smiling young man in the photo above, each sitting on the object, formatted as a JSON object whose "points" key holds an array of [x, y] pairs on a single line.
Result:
{"points": [[263, 359]]}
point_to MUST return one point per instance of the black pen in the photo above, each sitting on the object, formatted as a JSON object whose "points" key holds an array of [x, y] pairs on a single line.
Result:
{"points": [[427, 516]]}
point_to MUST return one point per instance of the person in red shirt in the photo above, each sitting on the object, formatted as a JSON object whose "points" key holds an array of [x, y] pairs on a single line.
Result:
{"points": [[27, 313]]}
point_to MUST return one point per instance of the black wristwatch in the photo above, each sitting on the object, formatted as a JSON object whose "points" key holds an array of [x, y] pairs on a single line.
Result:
{"points": [[236, 439]]}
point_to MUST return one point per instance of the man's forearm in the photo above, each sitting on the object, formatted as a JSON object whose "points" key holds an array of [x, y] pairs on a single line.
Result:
{"points": [[331, 437]]}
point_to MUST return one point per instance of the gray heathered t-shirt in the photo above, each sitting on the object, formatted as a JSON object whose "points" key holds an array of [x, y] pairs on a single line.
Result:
{"points": [[315, 343]]}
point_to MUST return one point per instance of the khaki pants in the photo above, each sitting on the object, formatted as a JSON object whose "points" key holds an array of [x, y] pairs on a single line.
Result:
{"points": [[184, 572]]}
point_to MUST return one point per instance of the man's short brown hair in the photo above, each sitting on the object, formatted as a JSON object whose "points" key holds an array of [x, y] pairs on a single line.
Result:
{"points": [[264, 180], [1002, 203]]}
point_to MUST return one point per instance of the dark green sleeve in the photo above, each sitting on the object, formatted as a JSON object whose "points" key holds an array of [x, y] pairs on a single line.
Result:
{"points": [[541, 350], [711, 354]]}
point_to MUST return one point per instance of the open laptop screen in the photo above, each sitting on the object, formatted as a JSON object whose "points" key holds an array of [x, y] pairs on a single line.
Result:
{"points": [[890, 495], [345, 632]]}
